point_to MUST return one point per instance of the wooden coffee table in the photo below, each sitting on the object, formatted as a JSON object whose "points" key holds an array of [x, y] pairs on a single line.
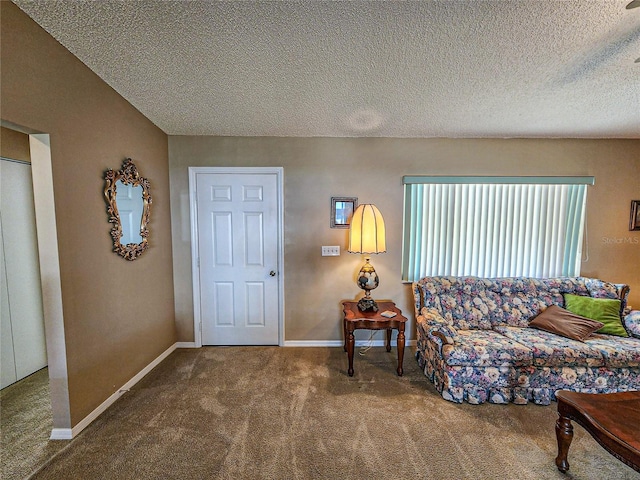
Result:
{"points": [[612, 419], [355, 319]]}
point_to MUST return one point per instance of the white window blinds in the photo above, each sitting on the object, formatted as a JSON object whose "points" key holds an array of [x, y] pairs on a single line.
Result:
{"points": [[493, 226]]}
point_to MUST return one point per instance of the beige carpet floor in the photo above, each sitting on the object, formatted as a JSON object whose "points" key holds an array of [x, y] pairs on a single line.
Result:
{"points": [[25, 426], [293, 413]]}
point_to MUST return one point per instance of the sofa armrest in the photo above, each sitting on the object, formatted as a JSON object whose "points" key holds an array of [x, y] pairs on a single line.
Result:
{"points": [[632, 323], [438, 326]]}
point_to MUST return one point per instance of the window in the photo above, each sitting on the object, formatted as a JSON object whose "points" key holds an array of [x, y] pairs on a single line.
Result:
{"points": [[493, 226]]}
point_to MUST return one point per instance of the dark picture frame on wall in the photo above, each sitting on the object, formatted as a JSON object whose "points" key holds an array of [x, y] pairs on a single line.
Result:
{"points": [[634, 220], [342, 209]]}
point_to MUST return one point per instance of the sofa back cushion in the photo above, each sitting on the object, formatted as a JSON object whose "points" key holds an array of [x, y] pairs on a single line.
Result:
{"points": [[525, 298], [482, 303], [465, 302]]}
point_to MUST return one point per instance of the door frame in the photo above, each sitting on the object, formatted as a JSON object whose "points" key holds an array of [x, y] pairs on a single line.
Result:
{"points": [[193, 218]]}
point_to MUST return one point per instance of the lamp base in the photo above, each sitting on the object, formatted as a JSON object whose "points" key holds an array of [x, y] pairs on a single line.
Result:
{"points": [[367, 303]]}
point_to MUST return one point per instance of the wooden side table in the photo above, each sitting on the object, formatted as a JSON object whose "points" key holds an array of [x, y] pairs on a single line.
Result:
{"points": [[355, 319]]}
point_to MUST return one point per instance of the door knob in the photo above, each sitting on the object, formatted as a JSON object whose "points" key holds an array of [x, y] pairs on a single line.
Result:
{"points": [[272, 273]]}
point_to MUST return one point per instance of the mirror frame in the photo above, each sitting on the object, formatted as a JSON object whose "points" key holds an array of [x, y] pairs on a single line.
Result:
{"points": [[128, 174], [336, 222]]}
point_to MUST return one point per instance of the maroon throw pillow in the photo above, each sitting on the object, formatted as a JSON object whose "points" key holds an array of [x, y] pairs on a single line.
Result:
{"points": [[562, 322]]}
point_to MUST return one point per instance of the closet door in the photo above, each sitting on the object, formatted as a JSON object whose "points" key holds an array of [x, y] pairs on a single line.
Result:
{"points": [[7, 359], [22, 314]]}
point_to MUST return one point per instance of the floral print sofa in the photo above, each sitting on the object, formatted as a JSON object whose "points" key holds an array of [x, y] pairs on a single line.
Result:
{"points": [[475, 345]]}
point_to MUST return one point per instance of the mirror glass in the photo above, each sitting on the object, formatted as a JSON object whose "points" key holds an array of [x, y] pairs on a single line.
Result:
{"points": [[128, 200]]}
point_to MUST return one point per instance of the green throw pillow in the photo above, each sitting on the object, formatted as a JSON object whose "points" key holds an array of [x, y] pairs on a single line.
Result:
{"points": [[605, 310]]}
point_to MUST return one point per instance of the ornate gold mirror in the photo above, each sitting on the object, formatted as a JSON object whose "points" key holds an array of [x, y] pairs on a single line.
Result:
{"points": [[129, 206]]}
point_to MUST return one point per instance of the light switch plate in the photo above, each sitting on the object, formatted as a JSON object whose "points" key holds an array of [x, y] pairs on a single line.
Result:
{"points": [[331, 251]]}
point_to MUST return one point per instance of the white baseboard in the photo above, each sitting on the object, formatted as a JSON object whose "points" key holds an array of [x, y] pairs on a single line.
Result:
{"points": [[186, 345], [313, 343], [69, 433], [340, 343], [61, 434]]}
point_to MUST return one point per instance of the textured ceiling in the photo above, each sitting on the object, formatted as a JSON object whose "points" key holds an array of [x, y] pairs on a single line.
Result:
{"points": [[457, 68]]}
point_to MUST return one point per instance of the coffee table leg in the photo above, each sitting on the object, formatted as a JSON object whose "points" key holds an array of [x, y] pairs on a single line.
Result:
{"points": [[400, 346], [389, 330], [564, 435], [350, 343]]}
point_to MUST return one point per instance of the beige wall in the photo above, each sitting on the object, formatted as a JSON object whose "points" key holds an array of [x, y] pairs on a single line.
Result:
{"points": [[14, 145], [118, 315], [315, 169]]}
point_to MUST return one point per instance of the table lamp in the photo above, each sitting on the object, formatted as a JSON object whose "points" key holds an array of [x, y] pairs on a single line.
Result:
{"points": [[367, 235]]}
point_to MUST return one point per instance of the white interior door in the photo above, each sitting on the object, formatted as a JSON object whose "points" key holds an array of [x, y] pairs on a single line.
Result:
{"points": [[237, 248]]}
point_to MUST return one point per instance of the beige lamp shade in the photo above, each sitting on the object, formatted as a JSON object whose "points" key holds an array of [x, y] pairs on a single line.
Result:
{"points": [[367, 235], [366, 232]]}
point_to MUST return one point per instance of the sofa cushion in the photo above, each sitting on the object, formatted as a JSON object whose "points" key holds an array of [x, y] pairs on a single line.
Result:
{"points": [[600, 289], [460, 300], [484, 348], [523, 298], [632, 323], [551, 350], [557, 320], [604, 310], [617, 352]]}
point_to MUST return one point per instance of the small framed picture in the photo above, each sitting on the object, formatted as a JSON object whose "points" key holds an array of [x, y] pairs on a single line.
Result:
{"points": [[342, 210], [634, 220]]}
